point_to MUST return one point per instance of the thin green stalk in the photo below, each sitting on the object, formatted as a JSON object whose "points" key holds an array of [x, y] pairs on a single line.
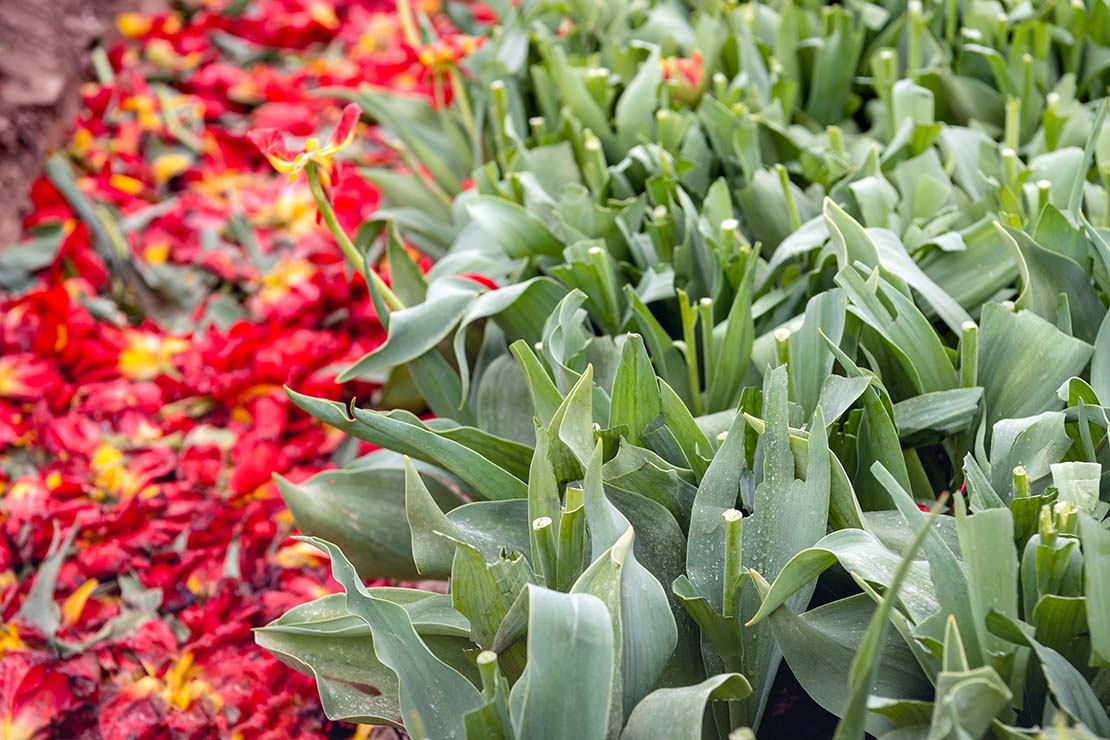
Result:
{"points": [[788, 195], [437, 92], [836, 140], [689, 322], [327, 213], [462, 97], [610, 292], [498, 98], [733, 579], [538, 124], [950, 22], [884, 69], [105, 75], [429, 184], [917, 30], [408, 23], [1013, 123], [705, 322]]}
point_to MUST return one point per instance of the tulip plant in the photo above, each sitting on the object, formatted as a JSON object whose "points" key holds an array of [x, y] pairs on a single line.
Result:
{"points": [[789, 356]]}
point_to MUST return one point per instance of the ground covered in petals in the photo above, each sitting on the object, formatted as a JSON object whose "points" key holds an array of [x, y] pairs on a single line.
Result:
{"points": [[169, 284]]}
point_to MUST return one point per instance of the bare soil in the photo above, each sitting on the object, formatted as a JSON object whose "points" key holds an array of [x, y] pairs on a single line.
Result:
{"points": [[44, 58]]}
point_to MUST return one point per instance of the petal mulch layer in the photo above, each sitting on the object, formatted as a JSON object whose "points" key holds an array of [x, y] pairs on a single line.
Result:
{"points": [[168, 285]]}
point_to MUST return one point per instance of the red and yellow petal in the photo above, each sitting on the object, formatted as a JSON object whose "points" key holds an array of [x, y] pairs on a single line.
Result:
{"points": [[345, 130]]}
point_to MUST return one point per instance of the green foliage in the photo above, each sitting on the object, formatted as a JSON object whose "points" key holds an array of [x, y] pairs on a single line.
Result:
{"points": [[749, 323]]}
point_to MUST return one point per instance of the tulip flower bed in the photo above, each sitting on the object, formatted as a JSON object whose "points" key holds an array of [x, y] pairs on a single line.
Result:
{"points": [[722, 368], [790, 390], [170, 283]]}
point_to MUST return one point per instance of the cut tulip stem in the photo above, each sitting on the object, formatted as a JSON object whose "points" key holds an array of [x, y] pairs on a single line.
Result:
{"points": [[734, 522], [572, 543], [969, 355], [546, 552], [705, 322], [782, 345], [734, 578], [1022, 488], [490, 673]]}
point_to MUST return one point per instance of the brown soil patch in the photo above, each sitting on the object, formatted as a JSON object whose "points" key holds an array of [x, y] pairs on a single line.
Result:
{"points": [[44, 53]]}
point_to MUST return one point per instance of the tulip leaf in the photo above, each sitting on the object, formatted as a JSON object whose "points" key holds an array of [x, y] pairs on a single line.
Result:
{"points": [[645, 634], [395, 432], [819, 645], [635, 401], [988, 556], [416, 330], [545, 396], [1023, 359], [717, 492], [362, 510], [1096, 554], [867, 660], [1046, 275], [484, 594], [570, 656], [489, 526], [503, 403], [343, 664], [677, 713], [516, 230], [1100, 362], [519, 310], [1072, 692], [1033, 443], [430, 691], [950, 581], [635, 109], [858, 552], [941, 413], [789, 515], [906, 332], [811, 362]]}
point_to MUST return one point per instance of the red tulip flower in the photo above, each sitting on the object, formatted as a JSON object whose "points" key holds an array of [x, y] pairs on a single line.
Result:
{"points": [[271, 142]]}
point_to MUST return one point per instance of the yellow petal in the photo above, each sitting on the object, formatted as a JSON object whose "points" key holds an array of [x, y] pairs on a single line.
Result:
{"points": [[9, 639], [157, 253], [323, 14], [282, 165], [127, 184], [170, 165], [75, 604], [133, 25]]}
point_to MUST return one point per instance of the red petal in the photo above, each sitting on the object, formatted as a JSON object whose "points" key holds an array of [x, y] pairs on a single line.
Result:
{"points": [[347, 123], [270, 142], [480, 279]]}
